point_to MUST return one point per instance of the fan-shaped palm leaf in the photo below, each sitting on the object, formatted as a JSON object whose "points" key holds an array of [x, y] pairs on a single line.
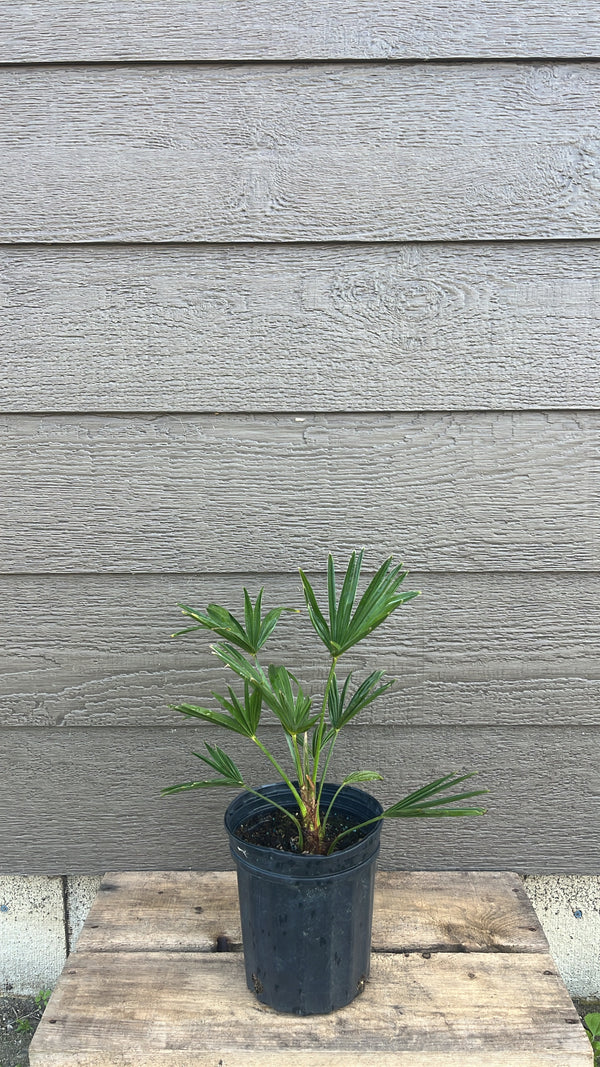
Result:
{"points": [[345, 628]]}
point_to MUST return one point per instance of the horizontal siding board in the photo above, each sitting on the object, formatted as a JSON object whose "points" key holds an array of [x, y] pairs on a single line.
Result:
{"points": [[473, 649], [313, 328], [267, 29], [327, 152], [88, 800], [225, 493]]}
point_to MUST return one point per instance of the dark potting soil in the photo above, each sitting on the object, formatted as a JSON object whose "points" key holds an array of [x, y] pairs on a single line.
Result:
{"points": [[275, 830]]}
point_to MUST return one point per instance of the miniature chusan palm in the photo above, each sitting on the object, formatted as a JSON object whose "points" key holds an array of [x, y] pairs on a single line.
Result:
{"points": [[311, 734]]}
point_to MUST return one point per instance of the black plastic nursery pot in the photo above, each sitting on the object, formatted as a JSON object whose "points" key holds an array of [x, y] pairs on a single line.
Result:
{"points": [[306, 920]]}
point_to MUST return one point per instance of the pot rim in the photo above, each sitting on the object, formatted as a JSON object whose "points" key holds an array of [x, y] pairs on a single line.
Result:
{"points": [[330, 788]]}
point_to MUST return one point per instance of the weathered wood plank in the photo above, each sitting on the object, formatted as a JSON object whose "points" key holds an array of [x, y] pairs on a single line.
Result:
{"points": [[466, 911], [454, 911], [312, 1058], [321, 328], [473, 649], [195, 493], [264, 29], [96, 795], [326, 152], [158, 1004]]}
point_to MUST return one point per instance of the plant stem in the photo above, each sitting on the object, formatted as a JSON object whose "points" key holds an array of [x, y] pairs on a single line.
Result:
{"points": [[321, 725], [298, 759], [333, 800], [285, 811], [359, 826], [281, 773], [305, 767], [324, 775]]}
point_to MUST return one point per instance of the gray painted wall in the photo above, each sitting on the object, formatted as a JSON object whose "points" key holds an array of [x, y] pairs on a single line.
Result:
{"points": [[252, 311]]}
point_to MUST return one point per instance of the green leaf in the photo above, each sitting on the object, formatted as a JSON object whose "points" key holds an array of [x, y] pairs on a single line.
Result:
{"points": [[246, 713], [251, 637], [218, 761], [269, 623], [251, 631], [592, 1025], [219, 621], [379, 600], [324, 741], [362, 776], [293, 711], [229, 722], [250, 672], [348, 594], [314, 612], [331, 592], [222, 763], [185, 787], [418, 805], [341, 712]]}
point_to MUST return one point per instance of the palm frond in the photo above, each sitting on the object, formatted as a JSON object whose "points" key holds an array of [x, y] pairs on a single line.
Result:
{"points": [[345, 628], [418, 804]]}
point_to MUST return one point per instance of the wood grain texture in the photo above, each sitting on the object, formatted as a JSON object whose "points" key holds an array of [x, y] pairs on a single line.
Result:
{"points": [[87, 800], [450, 911], [473, 649], [194, 493], [312, 1058], [161, 1004], [321, 328], [279, 153], [264, 29]]}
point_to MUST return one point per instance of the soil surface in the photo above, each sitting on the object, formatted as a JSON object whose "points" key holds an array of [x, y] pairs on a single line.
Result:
{"points": [[275, 830], [19, 1017]]}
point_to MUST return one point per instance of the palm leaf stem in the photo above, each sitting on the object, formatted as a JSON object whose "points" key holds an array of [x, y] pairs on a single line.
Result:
{"points": [[321, 724], [305, 755], [284, 810], [281, 773], [333, 800], [324, 774], [297, 758], [360, 826]]}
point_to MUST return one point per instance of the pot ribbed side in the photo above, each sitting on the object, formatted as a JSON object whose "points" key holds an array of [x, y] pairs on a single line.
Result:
{"points": [[306, 920]]}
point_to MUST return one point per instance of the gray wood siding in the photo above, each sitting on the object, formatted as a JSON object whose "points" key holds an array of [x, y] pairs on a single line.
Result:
{"points": [[87, 798], [222, 493], [270, 287], [303, 152], [472, 650], [313, 327], [262, 29]]}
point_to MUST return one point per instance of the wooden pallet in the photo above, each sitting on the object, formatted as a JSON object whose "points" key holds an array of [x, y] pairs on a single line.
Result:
{"points": [[460, 977]]}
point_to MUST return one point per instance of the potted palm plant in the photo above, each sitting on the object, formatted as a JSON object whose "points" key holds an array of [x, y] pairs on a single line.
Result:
{"points": [[305, 848]]}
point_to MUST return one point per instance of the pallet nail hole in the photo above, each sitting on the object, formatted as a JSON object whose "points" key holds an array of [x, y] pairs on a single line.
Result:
{"points": [[222, 944]]}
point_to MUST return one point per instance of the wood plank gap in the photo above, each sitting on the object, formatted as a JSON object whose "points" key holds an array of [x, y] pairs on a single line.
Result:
{"points": [[330, 242], [76, 413], [350, 242], [321, 61], [250, 575]]}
